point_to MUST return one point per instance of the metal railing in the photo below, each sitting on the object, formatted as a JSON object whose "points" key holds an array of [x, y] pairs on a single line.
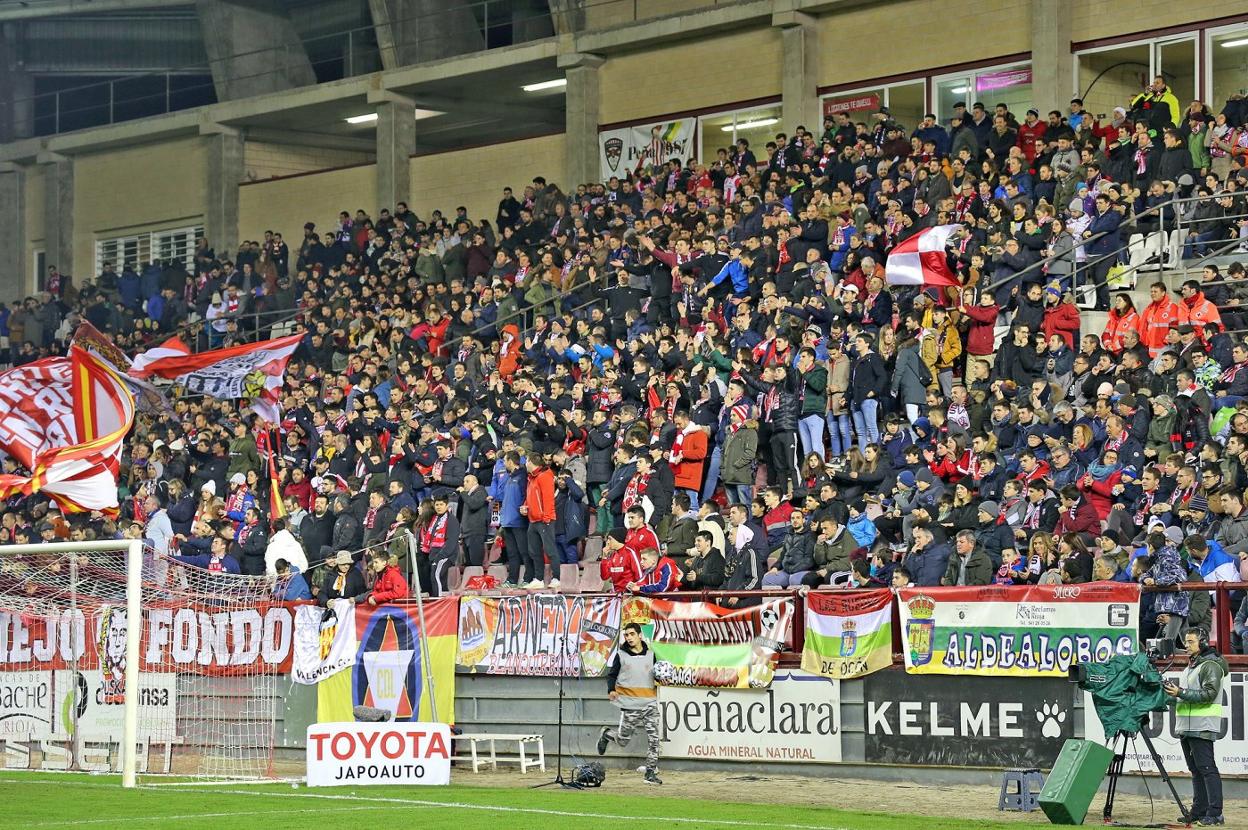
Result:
{"points": [[342, 54]]}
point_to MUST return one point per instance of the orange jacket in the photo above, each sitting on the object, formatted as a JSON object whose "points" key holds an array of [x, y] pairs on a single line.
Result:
{"points": [[1198, 312], [1156, 320], [539, 498], [510, 351], [688, 472], [1116, 326]]}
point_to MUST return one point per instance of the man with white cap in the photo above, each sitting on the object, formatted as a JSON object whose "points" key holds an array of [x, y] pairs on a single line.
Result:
{"points": [[342, 581]]}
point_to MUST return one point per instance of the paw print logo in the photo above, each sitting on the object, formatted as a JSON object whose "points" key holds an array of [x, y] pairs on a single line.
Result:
{"points": [[1051, 717]]}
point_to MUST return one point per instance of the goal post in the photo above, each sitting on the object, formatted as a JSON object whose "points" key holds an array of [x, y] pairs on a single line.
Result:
{"points": [[116, 658]]}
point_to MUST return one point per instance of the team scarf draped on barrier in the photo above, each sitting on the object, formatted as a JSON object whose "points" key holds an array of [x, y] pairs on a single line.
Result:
{"points": [[64, 420], [848, 634], [372, 656], [701, 644], [1037, 631], [253, 370], [539, 635]]}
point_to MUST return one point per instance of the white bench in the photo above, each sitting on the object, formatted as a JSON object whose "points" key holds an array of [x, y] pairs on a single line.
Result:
{"points": [[493, 760]]}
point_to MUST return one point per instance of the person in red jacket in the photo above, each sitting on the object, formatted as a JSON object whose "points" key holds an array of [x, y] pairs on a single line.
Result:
{"points": [[539, 509], [639, 534], [688, 455], [1028, 131], [1078, 515], [389, 584], [1061, 315], [659, 574], [980, 335], [620, 566]]}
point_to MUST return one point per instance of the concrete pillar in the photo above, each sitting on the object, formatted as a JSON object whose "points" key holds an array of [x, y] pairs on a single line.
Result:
{"points": [[581, 119], [17, 90], [225, 171], [14, 273], [567, 16], [1052, 70], [396, 142], [799, 89], [58, 215], [426, 30], [252, 48]]}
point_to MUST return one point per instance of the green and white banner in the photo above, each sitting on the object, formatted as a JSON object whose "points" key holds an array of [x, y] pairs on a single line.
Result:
{"points": [[848, 634]]}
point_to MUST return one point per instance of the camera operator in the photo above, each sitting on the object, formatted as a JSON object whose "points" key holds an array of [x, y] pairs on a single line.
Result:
{"points": [[1197, 698]]}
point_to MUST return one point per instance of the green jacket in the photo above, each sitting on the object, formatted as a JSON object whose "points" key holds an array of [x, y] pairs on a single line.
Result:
{"points": [[1201, 159], [978, 568], [1198, 708], [740, 449], [832, 555], [243, 456], [814, 391]]}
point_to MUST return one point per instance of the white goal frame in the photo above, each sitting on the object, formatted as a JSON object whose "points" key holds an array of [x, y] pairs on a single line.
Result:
{"points": [[134, 611]]}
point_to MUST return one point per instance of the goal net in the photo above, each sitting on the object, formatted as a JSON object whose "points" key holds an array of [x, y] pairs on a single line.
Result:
{"points": [[193, 690]]}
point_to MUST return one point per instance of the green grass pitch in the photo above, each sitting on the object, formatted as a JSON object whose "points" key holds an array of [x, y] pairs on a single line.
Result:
{"points": [[42, 800]]}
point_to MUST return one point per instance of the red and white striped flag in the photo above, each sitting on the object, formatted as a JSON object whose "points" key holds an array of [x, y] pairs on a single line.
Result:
{"points": [[920, 260], [253, 370], [64, 420]]}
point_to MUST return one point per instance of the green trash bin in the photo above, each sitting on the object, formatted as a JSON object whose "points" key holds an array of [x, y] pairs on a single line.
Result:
{"points": [[1077, 775]]}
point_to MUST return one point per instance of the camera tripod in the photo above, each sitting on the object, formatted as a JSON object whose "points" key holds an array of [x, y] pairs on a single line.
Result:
{"points": [[1116, 770]]}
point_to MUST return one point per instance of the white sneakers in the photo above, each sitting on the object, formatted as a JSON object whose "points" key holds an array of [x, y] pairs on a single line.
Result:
{"points": [[536, 585], [554, 584]]}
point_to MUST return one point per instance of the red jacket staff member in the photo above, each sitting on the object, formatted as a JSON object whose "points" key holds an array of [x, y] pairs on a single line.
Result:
{"points": [[539, 508]]}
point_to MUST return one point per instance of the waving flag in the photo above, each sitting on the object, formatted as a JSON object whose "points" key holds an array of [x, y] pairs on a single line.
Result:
{"points": [[150, 400], [253, 370], [64, 420], [920, 260]]}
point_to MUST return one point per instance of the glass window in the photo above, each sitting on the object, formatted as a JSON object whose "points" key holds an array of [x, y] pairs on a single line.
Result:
{"points": [[905, 103], [1176, 62], [950, 91], [1113, 77], [1011, 87], [1229, 67], [757, 125]]}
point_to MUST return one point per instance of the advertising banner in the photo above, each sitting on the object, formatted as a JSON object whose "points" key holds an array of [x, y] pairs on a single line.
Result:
{"points": [[701, 644], [1230, 750], [378, 753], [254, 640], [628, 149], [389, 669], [538, 635], [48, 705], [848, 634], [966, 721], [795, 720], [1008, 631], [325, 641]]}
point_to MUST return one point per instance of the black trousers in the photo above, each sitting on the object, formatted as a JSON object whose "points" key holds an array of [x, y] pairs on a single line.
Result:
{"points": [[1100, 278], [541, 544], [516, 551], [784, 460], [474, 550], [1206, 780]]}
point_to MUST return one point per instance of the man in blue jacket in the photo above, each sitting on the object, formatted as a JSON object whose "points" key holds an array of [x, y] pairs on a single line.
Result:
{"points": [[512, 523], [1106, 239], [927, 560]]}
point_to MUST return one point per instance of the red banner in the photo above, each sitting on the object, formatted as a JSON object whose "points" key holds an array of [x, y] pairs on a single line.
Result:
{"points": [[853, 103], [253, 640]]}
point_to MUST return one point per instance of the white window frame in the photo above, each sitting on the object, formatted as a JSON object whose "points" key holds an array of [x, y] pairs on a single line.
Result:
{"points": [[884, 90], [1154, 45], [169, 243], [734, 113], [971, 76], [1206, 47]]}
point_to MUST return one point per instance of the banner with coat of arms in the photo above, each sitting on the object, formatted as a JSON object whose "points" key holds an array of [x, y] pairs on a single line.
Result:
{"points": [[848, 633], [644, 146], [1005, 631], [388, 668]]}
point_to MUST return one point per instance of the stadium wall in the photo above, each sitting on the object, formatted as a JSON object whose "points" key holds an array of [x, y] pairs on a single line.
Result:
{"points": [[284, 204]]}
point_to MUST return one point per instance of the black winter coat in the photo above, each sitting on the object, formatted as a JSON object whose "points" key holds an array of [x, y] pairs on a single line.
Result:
{"points": [[784, 415]]}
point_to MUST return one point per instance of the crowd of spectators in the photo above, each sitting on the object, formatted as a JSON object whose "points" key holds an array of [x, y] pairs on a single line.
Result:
{"points": [[704, 366]]}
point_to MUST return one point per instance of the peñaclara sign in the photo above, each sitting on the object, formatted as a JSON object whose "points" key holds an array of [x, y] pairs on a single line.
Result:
{"points": [[795, 720]]}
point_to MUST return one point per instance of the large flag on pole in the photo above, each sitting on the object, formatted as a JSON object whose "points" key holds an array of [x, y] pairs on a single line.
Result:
{"points": [[64, 420], [920, 260], [148, 398], [253, 370]]}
